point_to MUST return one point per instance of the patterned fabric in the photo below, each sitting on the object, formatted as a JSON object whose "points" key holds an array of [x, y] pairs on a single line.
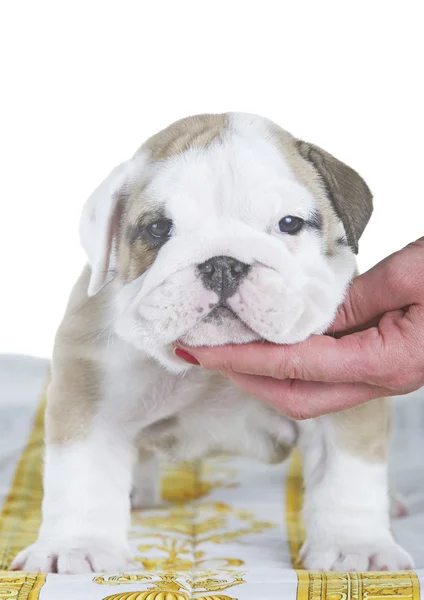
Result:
{"points": [[227, 529]]}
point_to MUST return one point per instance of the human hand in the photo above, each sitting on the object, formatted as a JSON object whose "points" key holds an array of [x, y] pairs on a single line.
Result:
{"points": [[378, 348]]}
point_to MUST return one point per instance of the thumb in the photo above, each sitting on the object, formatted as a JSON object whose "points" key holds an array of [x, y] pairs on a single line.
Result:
{"points": [[393, 284]]}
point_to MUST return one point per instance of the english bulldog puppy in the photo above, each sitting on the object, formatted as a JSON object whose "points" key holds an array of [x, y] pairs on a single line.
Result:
{"points": [[221, 229]]}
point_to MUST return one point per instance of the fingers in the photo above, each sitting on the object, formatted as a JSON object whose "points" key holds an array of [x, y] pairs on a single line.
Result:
{"points": [[354, 358], [394, 283], [305, 399]]}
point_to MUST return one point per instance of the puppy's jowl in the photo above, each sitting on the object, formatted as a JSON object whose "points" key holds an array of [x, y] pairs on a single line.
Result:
{"points": [[221, 228]]}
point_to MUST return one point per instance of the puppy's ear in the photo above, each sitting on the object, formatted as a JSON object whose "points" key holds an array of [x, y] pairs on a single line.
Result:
{"points": [[348, 192], [100, 219]]}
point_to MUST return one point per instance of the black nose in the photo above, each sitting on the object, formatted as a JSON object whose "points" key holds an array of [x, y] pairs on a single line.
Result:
{"points": [[222, 274]]}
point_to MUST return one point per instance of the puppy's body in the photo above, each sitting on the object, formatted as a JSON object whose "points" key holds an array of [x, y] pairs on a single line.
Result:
{"points": [[221, 229]]}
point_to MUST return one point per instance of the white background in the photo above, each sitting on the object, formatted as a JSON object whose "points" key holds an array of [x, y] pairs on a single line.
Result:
{"points": [[84, 83]]}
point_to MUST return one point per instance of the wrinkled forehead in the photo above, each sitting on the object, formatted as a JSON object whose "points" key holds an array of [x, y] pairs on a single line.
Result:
{"points": [[221, 168]]}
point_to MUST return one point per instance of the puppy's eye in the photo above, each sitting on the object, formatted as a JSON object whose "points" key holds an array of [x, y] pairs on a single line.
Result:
{"points": [[160, 229], [290, 225]]}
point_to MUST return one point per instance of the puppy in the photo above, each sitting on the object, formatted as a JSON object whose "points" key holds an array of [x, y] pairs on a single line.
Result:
{"points": [[220, 229]]}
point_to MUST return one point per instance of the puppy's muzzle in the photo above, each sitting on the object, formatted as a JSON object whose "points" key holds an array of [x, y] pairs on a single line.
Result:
{"points": [[222, 275]]}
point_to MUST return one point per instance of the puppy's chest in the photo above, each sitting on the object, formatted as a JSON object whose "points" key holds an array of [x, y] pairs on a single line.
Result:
{"points": [[188, 417], [137, 390], [215, 417]]}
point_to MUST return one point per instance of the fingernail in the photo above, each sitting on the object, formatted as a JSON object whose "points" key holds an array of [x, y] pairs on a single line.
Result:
{"points": [[188, 358]]}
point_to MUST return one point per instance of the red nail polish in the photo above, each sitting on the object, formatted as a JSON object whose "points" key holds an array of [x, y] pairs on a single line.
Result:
{"points": [[188, 358]]}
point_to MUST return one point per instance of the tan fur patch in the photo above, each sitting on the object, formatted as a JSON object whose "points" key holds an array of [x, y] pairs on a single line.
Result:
{"points": [[134, 260], [135, 255], [192, 132], [309, 178], [364, 430], [350, 196], [77, 370]]}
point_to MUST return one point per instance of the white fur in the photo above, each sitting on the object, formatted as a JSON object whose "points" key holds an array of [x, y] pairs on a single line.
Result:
{"points": [[225, 200], [85, 506], [346, 507]]}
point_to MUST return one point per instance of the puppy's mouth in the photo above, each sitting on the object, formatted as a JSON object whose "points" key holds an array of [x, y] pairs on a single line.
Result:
{"points": [[221, 313], [222, 325]]}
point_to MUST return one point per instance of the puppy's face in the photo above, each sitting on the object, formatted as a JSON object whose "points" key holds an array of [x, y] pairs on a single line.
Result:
{"points": [[224, 229]]}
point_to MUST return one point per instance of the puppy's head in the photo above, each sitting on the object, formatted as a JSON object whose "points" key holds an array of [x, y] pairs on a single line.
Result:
{"points": [[224, 229]]}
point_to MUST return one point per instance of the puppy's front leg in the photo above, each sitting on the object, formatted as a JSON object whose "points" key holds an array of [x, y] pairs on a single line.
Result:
{"points": [[346, 507], [86, 506]]}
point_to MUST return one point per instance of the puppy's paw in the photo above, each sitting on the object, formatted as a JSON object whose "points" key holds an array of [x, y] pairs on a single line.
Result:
{"points": [[74, 557], [354, 556], [391, 558]]}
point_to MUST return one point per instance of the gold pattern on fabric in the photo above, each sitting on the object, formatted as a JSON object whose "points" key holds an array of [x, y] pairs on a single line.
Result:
{"points": [[294, 499], [172, 586], [178, 542], [21, 586], [190, 481], [317, 585], [178, 535], [21, 514], [175, 541]]}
